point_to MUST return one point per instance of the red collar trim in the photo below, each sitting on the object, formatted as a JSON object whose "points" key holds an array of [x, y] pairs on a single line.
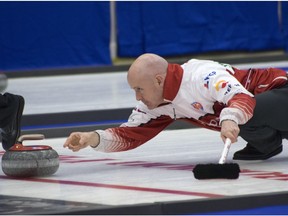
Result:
{"points": [[172, 81]]}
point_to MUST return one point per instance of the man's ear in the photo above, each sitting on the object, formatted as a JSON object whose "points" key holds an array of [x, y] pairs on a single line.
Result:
{"points": [[160, 79]]}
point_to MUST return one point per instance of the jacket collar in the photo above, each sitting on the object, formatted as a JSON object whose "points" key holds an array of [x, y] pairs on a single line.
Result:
{"points": [[172, 81]]}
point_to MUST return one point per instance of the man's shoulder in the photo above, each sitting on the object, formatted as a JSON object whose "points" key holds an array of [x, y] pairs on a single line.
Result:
{"points": [[205, 66]]}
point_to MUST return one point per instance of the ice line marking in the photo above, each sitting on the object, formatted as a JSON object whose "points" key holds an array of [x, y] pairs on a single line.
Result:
{"points": [[279, 176], [119, 187]]}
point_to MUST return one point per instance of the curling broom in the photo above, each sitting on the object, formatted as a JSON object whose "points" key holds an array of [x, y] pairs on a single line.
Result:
{"points": [[221, 170]]}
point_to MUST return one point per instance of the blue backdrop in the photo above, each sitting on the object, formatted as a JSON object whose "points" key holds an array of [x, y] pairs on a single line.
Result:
{"points": [[173, 28], [53, 34], [36, 35], [284, 23]]}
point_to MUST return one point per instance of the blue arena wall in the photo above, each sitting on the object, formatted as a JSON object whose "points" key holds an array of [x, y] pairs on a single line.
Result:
{"points": [[284, 24], [177, 28], [54, 34], [48, 35]]}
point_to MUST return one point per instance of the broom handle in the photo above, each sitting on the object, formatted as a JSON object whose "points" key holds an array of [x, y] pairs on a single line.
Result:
{"points": [[225, 151]]}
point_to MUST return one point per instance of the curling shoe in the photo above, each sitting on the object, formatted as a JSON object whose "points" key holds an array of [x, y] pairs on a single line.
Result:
{"points": [[251, 153], [11, 131]]}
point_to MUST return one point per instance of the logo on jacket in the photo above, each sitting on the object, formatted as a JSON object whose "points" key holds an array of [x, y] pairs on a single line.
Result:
{"points": [[220, 85], [207, 79], [138, 110], [197, 106]]}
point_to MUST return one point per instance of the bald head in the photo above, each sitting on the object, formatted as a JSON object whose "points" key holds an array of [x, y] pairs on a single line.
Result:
{"points": [[148, 65], [146, 75]]}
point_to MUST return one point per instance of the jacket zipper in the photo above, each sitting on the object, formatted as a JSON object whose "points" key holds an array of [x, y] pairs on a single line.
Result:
{"points": [[174, 114]]}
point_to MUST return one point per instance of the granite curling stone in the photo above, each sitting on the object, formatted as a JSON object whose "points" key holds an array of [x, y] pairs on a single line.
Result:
{"points": [[30, 161]]}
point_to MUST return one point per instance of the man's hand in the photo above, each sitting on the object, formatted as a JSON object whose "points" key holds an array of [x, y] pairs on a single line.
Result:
{"points": [[229, 129], [80, 140]]}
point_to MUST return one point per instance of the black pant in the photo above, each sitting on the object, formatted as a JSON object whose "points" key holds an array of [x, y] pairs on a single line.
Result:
{"points": [[269, 124], [8, 106]]}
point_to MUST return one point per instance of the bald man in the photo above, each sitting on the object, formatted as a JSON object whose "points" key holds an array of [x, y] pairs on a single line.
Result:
{"points": [[146, 77], [207, 94]]}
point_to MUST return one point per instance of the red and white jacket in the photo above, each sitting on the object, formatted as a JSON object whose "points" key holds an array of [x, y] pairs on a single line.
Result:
{"points": [[202, 92]]}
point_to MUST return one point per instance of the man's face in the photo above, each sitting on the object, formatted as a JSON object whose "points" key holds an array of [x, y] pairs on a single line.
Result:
{"points": [[147, 89]]}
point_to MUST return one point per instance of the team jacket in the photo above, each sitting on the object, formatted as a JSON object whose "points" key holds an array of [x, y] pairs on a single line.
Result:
{"points": [[200, 91]]}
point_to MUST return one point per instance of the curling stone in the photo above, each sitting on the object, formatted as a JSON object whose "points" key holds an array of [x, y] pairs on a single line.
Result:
{"points": [[30, 161]]}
